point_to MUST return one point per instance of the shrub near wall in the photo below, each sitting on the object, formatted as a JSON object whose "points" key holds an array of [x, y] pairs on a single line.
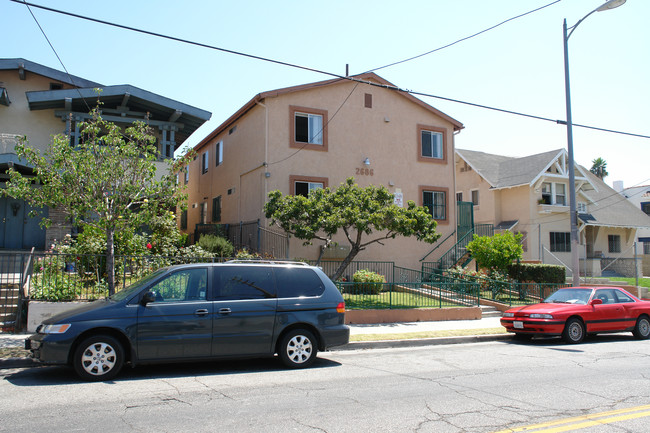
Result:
{"points": [[367, 282], [537, 273]]}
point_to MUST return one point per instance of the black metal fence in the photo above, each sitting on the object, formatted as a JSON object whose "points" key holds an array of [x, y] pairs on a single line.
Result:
{"points": [[249, 235]]}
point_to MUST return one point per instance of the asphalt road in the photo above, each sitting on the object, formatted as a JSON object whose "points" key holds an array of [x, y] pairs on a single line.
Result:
{"points": [[599, 386]]}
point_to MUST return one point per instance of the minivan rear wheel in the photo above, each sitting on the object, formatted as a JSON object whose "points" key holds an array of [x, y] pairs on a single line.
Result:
{"points": [[298, 349], [98, 358]]}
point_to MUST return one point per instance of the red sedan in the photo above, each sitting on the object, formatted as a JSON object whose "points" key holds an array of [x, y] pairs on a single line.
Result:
{"points": [[578, 311]]}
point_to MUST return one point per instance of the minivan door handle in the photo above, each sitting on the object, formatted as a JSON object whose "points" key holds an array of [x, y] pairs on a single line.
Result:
{"points": [[201, 312], [225, 311]]}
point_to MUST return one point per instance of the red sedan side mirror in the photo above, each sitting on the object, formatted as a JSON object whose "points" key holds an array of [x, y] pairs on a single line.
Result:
{"points": [[596, 301]]}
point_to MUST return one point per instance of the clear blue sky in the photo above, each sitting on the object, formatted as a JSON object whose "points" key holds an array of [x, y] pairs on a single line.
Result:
{"points": [[517, 66]]}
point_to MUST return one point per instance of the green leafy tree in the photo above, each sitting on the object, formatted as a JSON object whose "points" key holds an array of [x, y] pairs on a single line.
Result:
{"points": [[365, 216], [108, 181], [496, 253], [599, 168]]}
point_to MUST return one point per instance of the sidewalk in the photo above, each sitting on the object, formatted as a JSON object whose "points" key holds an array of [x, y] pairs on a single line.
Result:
{"points": [[388, 335]]}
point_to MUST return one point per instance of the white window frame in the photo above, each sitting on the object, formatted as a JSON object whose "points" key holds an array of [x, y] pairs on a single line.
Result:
{"points": [[551, 190], [310, 185], [205, 162], [187, 174], [314, 128], [436, 144], [219, 153]]}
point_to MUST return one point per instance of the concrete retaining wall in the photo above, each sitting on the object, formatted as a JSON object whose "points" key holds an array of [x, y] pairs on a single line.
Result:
{"points": [[411, 315]]}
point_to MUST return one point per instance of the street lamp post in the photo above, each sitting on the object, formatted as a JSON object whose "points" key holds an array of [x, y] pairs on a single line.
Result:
{"points": [[573, 213]]}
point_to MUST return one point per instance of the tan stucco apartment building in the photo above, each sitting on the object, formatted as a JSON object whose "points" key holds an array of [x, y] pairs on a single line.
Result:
{"points": [[317, 135]]}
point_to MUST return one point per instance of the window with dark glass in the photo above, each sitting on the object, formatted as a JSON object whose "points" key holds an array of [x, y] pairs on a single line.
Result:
{"points": [[216, 209], [614, 243], [309, 128], [435, 201], [304, 188], [243, 282], [204, 162], [431, 144], [294, 282], [184, 219], [560, 242]]}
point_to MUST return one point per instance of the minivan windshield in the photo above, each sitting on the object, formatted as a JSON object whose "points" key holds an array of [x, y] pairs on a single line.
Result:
{"points": [[133, 288]]}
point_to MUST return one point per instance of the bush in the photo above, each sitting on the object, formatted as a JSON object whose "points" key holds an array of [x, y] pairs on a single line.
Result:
{"points": [[538, 273], [496, 253], [216, 245], [367, 282]]}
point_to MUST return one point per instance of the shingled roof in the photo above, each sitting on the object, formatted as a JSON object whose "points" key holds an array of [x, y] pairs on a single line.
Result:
{"points": [[505, 171]]}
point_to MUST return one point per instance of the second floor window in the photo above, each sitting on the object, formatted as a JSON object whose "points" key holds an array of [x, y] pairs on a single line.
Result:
{"points": [[431, 144], [309, 128], [219, 153], [205, 162], [554, 193]]}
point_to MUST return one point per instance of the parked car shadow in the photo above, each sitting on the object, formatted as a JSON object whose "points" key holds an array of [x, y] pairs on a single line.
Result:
{"points": [[590, 339], [61, 375]]}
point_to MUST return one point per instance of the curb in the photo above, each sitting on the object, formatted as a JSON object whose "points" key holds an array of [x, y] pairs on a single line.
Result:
{"points": [[421, 342], [8, 363]]}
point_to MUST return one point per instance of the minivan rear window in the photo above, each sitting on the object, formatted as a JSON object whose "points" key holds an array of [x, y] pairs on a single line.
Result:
{"points": [[242, 282], [294, 282]]}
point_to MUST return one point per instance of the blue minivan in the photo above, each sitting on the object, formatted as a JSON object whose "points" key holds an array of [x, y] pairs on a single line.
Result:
{"points": [[197, 312]]}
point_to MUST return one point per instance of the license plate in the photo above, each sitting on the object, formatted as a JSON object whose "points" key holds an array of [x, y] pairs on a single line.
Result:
{"points": [[518, 324]]}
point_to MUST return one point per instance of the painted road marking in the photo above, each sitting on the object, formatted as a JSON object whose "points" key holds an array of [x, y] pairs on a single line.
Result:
{"points": [[579, 422]]}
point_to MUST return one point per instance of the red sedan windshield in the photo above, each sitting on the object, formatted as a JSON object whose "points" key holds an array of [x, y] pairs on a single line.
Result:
{"points": [[570, 296]]}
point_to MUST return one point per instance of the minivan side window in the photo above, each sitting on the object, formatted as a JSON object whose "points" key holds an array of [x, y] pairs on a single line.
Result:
{"points": [[242, 282], [294, 282], [184, 285]]}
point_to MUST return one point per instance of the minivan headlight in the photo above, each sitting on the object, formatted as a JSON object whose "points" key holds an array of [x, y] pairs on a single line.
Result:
{"points": [[54, 329]]}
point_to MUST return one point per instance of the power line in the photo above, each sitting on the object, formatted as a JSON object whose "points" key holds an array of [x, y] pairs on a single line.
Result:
{"points": [[292, 65], [462, 39]]}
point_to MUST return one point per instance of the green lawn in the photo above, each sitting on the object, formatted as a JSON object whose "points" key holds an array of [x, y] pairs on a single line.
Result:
{"points": [[643, 282], [386, 300]]}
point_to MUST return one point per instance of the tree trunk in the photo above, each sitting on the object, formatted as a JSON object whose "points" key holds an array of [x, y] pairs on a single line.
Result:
{"points": [[345, 263], [110, 260]]}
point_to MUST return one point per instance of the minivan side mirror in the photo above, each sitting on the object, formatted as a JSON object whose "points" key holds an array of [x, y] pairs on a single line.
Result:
{"points": [[148, 297]]}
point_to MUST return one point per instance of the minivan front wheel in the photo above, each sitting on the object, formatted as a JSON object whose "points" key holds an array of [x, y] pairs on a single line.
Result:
{"points": [[298, 349], [98, 358]]}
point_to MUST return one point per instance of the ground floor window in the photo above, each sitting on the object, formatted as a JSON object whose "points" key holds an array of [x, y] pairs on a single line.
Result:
{"points": [[560, 242], [436, 202], [216, 209], [614, 242], [646, 248]]}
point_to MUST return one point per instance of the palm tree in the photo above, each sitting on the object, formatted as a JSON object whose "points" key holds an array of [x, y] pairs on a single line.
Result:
{"points": [[599, 168]]}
